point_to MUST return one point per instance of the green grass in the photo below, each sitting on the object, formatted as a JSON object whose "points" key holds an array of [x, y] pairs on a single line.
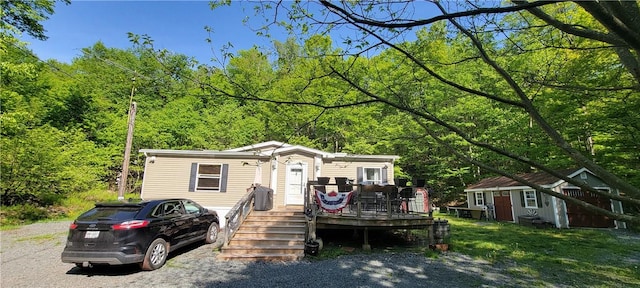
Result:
{"points": [[590, 257], [42, 238], [69, 208], [76, 204], [575, 257]]}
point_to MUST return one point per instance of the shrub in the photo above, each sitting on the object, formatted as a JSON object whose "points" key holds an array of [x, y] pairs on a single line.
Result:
{"points": [[18, 214]]}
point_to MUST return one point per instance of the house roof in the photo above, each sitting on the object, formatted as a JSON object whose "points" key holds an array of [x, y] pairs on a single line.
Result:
{"points": [[269, 145], [540, 178], [267, 149], [203, 153], [275, 147]]}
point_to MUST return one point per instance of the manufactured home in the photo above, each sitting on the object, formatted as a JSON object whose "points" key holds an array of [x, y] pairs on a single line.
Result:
{"points": [[219, 179]]}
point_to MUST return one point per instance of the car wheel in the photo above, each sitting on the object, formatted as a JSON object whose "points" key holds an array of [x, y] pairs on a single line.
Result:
{"points": [[212, 233], [156, 255]]}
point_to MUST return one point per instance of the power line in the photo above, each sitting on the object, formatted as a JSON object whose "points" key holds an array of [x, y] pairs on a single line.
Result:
{"points": [[29, 53]]}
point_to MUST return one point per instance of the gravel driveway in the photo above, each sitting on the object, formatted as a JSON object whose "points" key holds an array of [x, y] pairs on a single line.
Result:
{"points": [[31, 258]]}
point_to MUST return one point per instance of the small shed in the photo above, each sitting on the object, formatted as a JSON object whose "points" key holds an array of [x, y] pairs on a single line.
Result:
{"points": [[509, 200]]}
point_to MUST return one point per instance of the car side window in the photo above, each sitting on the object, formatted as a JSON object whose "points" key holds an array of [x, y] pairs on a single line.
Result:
{"points": [[157, 212], [168, 209], [191, 207]]}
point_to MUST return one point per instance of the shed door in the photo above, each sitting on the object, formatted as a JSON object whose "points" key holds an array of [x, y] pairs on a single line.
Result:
{"points": [[296, 183], [578, 217], [502, 201]]}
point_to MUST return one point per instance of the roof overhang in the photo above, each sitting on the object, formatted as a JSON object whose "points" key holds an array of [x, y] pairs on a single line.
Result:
{"points": [[260, 146], [268, 150], [203, 153], [373, 158], [506, 188], [275, 148]]}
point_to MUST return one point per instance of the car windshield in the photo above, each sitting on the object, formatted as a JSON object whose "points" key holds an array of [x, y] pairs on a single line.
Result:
{"points": [[110, 213]]}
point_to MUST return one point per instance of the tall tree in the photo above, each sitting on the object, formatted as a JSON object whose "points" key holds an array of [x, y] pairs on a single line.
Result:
{"points": [[26, 16], [516, 52]]}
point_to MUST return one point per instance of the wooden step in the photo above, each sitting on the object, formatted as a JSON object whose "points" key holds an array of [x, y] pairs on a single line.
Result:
{"points": [[261, 257], [274, 217], [271, 228], [275, 223], [278, 213], [262, 241], [268, 235], [263, 249]]}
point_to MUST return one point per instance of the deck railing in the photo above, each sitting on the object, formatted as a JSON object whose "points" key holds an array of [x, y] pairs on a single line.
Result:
{"points": [[238, 214], [368, 200]]}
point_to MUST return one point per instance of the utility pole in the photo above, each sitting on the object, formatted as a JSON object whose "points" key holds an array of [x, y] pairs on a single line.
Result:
{"points": [[127, 150]]}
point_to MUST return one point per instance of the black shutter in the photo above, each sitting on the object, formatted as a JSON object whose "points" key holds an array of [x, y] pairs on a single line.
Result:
{"points": [[359, 172], [223, 177], [539, 196], [384, 175], [474, 198], [522, 198], [193, 176], [484, 199]]}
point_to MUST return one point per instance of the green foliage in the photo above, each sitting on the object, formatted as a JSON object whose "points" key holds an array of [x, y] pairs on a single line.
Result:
{"points": [[77, 203], [70, 207], [43, 162], [64, 125], [40, 163], [20, 16], [27, 213]]}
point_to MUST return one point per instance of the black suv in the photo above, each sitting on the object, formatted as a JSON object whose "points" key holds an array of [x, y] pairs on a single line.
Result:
{"points": [[144, 233]]}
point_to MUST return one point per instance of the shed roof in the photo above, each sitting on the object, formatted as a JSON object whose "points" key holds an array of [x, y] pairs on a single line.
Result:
{"points": [[539, 178]]}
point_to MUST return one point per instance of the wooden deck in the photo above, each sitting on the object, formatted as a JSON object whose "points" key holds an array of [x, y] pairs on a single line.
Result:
{"points": [[371, 207], [374, 220], [363, 208]]}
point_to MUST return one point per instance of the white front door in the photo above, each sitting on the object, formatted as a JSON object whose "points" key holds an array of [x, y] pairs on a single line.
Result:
{"points": [[296, 183]]}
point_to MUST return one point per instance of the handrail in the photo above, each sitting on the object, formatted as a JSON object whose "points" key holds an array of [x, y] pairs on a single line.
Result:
{"points": [[236, 216], [390, 206]]}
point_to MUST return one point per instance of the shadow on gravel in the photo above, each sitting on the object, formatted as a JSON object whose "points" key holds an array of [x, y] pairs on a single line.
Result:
{"points": [[119, 270], [105, 270], [378, 239]]}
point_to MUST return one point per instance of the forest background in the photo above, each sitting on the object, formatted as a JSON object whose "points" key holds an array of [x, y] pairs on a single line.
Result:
{"points": [[64, 125]]}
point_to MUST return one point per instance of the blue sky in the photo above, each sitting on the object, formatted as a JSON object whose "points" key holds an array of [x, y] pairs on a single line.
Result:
{"points": [[177, 26]]}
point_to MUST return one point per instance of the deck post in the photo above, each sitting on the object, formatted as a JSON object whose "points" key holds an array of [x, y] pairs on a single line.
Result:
{"points": [[432, 241], [366, 246], [359, 202]]}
